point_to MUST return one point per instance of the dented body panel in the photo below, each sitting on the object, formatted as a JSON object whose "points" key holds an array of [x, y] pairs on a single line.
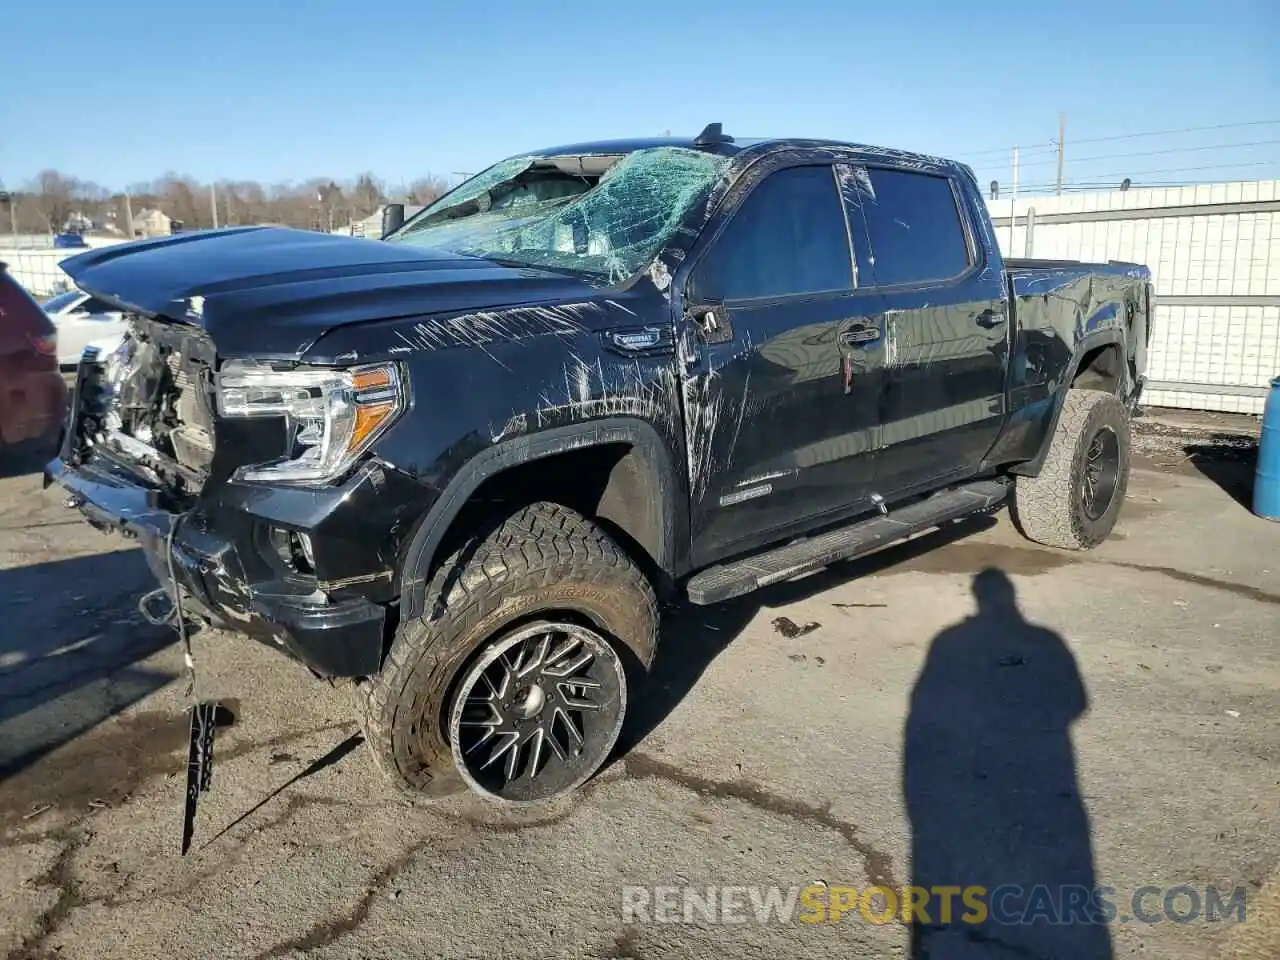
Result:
{"points": [[1067, 313], [738, 421]]}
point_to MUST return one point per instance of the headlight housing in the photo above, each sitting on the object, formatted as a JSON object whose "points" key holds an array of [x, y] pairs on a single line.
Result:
{"points": [[332, 416]]}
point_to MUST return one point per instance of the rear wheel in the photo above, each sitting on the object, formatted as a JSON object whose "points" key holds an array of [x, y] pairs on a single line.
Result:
{"points": [[1075, 501], [515, 681]]}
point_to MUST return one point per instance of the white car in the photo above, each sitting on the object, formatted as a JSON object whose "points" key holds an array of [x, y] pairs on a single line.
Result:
{"points": [[82, 320]]}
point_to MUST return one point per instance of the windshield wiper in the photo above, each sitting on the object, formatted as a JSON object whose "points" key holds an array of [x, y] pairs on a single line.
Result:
{"points": [[531, 265]]}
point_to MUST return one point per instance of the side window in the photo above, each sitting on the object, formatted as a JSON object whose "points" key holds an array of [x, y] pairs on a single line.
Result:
{"points": [[788, 237], [912, 231]]}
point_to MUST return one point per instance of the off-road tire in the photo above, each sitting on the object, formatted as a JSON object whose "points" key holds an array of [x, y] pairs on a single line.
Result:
{"points": [[542, 559], [1049, 508]]}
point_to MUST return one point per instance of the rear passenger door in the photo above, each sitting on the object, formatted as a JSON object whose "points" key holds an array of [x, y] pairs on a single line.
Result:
{"points": [[945, 325], [778, 429]]}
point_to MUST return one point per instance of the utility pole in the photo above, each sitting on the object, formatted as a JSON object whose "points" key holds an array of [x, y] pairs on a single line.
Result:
{"points": [[213, 204], [128, 215], [1013, 201], [1062, 146], [11, 201]]}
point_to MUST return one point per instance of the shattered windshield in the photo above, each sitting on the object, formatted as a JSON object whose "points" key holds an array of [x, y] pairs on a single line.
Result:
{"points": [[537, 211]]}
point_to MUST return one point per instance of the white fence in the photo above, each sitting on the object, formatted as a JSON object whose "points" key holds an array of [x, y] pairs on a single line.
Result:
{"points": [[33, 261], [1214, 253]]}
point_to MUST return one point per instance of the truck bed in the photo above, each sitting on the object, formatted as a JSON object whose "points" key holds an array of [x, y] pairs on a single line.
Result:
{"points": [[1059, 304]]}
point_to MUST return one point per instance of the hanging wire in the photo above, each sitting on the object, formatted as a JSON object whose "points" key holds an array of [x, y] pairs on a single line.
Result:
{"points": [[1051, 146]]}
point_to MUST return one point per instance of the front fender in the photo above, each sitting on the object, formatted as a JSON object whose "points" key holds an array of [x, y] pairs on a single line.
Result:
{"points": [[657, 466]]}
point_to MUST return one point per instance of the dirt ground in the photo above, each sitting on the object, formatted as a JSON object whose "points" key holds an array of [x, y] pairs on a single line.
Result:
{"points": [[1112, 718]]}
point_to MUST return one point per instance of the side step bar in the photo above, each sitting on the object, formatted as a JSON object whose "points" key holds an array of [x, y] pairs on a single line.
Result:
{"points": [[795, 559]]}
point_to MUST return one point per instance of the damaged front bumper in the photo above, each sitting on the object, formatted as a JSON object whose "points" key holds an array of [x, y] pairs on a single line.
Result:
{"points": [[227, 580]]}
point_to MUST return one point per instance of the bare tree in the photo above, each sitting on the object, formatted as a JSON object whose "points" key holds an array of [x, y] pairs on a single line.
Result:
{"points": [[52, 199], [426, 189], [366, 195], [54, 193], [332, 203], [179, 201]]}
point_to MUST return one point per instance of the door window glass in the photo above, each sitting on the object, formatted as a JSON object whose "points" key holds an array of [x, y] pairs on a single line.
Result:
{"points": [[913, 232], [787, 238]]}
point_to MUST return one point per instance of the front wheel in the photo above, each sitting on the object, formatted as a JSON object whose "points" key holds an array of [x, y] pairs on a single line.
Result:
{"points": [[515, 681], [1075, 501]]}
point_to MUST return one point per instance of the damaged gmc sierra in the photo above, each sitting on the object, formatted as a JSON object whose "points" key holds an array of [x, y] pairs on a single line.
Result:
{"points": [[460, 464]]}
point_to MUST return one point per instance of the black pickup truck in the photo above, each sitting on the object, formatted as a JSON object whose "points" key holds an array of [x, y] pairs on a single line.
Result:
{"points": [[462, 463]]}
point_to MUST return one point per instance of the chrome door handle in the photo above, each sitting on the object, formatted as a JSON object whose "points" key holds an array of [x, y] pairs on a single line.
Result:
{"points": [[866, 331]]}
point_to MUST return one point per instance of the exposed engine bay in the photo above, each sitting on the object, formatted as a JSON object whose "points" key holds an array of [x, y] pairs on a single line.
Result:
{"points": [[150, 401]]}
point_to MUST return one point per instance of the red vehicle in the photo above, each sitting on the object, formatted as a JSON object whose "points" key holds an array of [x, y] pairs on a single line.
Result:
{"points": [[33, 394]]}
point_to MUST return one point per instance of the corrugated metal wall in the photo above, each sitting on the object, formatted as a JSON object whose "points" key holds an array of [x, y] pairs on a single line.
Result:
{"points": [[1214, 252]]}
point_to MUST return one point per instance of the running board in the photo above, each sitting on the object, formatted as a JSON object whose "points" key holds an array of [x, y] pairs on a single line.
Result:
{"points": [[800, 557]]}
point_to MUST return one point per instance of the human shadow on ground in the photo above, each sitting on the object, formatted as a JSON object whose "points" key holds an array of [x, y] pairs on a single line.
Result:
{"points": [[989, 778]]}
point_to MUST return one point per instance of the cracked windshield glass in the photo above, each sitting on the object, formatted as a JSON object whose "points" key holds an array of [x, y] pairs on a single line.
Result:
{"points": [[539, 211]]}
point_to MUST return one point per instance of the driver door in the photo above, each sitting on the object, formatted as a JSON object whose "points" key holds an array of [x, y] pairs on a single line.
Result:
{"points": [[782, 366]]}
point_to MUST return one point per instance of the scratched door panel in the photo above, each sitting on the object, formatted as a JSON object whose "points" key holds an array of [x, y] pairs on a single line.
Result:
{"points": [[945, 327], [784, 426], [944, 399], [781, 405]]}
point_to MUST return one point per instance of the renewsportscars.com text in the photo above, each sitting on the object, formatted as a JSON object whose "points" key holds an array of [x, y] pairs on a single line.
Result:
{"points": [[1008, 905]]}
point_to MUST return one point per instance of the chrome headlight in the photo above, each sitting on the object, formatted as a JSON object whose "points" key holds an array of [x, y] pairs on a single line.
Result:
{"points": [[332, 415]]}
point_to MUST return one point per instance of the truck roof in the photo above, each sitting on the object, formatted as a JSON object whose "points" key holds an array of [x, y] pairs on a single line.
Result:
{"points": [[731, 147]]}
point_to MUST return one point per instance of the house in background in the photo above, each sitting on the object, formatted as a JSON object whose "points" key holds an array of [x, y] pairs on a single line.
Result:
{"points": [[151, 223], [371, 226]]}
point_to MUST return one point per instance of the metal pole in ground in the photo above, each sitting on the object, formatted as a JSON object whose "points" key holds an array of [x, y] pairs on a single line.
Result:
{"points": [[1062, 146]]}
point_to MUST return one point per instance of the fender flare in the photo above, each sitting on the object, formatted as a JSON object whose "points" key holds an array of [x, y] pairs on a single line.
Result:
{"points": [[640, 434], [1101, 338]]}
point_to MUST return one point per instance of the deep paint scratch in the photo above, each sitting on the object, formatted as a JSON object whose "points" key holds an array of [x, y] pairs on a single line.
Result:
{"points": [[488, 327]]}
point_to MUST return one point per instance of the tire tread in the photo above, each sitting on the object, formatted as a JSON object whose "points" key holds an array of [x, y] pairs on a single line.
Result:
{"points": [[534, 548], [1044, 506]]}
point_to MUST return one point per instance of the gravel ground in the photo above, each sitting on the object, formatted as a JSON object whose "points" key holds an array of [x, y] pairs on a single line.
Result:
{"points": [[1108, 718]]}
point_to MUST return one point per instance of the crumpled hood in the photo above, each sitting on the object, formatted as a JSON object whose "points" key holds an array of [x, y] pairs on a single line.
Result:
{"points": [[271, 292]]}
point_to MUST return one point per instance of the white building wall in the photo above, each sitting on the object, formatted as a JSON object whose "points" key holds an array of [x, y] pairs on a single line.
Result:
{"points": [[1215, 342]]}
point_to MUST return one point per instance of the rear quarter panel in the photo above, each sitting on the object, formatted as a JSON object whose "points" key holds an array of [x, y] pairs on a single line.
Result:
{"points": [[1062, 312]]}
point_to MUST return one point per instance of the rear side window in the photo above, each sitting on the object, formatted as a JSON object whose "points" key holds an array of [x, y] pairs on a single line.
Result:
{"points": [[788, 237], [913, 232]]}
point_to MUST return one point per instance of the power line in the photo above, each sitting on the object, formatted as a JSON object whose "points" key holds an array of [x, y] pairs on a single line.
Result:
{"points": [[1052, 146], [1158, 153], [1170, 133], [1112, 183], [1138, 173]]}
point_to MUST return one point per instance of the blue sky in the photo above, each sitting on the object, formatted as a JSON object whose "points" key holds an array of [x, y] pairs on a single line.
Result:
{"points": [[261, 89]]}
